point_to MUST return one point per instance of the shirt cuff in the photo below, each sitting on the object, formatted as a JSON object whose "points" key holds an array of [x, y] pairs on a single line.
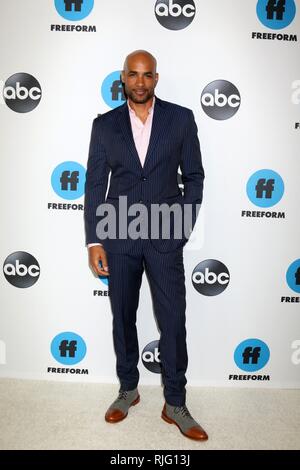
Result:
{"points": [[94, 244]]}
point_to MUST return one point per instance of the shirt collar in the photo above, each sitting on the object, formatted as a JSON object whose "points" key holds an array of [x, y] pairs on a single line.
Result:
{"points": [[150, 110]]}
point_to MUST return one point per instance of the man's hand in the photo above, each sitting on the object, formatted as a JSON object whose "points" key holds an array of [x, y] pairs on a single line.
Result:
{"points": [[97, 254]]}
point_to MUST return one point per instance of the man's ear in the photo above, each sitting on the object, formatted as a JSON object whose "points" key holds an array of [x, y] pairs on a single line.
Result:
{"points": [[123, 76], [156, 78]]}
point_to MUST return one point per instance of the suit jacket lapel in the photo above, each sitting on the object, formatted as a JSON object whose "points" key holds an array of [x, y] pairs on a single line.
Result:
{"points": [[124, 122], [157, 127]]}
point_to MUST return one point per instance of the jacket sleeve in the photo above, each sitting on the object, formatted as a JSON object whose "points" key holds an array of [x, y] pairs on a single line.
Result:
{"points": [[96, 182], [192, 168]]}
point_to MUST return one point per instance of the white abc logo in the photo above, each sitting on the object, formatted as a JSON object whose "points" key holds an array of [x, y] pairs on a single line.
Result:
{"points": [[175, 9], [296, 354], [148, 356], [219, 99], [21, 269], [21, 92], [210, 277], [296, 93]]}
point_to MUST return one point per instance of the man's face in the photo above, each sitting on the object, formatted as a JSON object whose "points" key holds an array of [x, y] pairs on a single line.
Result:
{"points": [[140, 78]]}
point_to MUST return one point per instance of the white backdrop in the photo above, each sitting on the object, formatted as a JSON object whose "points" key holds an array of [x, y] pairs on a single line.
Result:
{"points": [[70, 67]]}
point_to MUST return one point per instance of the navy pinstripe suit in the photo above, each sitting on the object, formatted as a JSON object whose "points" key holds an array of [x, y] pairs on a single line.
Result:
{"points": [[173, 144]]}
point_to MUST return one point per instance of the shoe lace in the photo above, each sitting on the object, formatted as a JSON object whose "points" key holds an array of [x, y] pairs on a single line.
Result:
{"points": [[122, 395], [184, 411]]}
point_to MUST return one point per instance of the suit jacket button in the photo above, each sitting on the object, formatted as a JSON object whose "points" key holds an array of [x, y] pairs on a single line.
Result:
{"points": [[144, 178]]}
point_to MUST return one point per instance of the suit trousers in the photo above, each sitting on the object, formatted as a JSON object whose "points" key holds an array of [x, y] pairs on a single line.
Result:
{"points": [[165, 273]]}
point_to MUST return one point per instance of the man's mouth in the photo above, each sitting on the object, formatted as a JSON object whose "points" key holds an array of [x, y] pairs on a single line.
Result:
{"points": [[140, 92]]}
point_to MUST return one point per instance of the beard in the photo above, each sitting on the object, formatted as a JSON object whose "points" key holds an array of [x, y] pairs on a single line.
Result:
{"points": [[135, 98]]}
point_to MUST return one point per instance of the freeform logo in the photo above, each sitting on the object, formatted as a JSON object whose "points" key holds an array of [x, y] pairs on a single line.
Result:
{"points": [[220, 100], [22, 92], [276, 14], [210, 277], [68, 180], [293, 276], [74, 10], [175, 14], [112, 90], [68, 348], [151, 357], [251, 355], [296, 354], [21, 269], [265, 188]]}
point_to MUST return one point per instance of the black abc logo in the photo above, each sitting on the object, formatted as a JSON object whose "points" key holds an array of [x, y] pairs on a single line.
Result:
{"points": [[210, 277], [175, 14], [220, 99], [21, 269], [22, 92], [151, 357]]}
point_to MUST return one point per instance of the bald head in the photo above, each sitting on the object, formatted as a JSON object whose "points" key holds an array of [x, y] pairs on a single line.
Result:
{"points": [[140, 77], [140, 54]]}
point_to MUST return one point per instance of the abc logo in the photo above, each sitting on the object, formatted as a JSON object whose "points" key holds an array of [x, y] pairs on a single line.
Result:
{"points": [[151, 357], [22, 92], [176, 14], [21, 269], [210, 277], [220, 100]]}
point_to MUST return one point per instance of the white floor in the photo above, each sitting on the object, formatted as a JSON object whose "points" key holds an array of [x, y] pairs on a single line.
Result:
{"points": [[52, 415]]}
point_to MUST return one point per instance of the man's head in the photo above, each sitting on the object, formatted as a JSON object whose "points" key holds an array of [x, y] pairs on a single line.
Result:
{"points": [[139, 76]]}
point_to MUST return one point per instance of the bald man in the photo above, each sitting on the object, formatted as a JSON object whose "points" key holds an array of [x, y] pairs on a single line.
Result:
{"points": [[142, 144]]}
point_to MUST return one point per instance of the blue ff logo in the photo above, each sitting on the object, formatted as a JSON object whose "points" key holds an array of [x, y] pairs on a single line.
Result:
{"points": [[112, 90], [74, 10], [265, 188], [293, 276], [251, 355], [276, 14], [68, 348], [68, 180]]}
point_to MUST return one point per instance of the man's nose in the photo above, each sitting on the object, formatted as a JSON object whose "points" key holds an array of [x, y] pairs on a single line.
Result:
{"points": [[140, 80]]}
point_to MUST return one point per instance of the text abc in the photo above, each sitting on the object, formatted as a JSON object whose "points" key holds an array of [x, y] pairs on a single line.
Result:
{"points": [[209, 277], [175, 9], [21, 269], [149, 356], [221, 100], [21, 92]]}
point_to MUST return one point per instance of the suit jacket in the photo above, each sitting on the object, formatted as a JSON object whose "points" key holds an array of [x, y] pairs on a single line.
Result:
{"points": [[173, 143]]}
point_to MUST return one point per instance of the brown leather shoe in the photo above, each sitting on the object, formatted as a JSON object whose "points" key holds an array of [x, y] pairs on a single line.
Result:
{"points": [[118, 410], [181, 416]]}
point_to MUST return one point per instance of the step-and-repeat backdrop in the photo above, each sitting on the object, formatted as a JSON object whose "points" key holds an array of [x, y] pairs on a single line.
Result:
{"points": [[235, 63]]}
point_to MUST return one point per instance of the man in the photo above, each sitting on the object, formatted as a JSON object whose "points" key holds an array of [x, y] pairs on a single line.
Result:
{"points": [[143, 143]]}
